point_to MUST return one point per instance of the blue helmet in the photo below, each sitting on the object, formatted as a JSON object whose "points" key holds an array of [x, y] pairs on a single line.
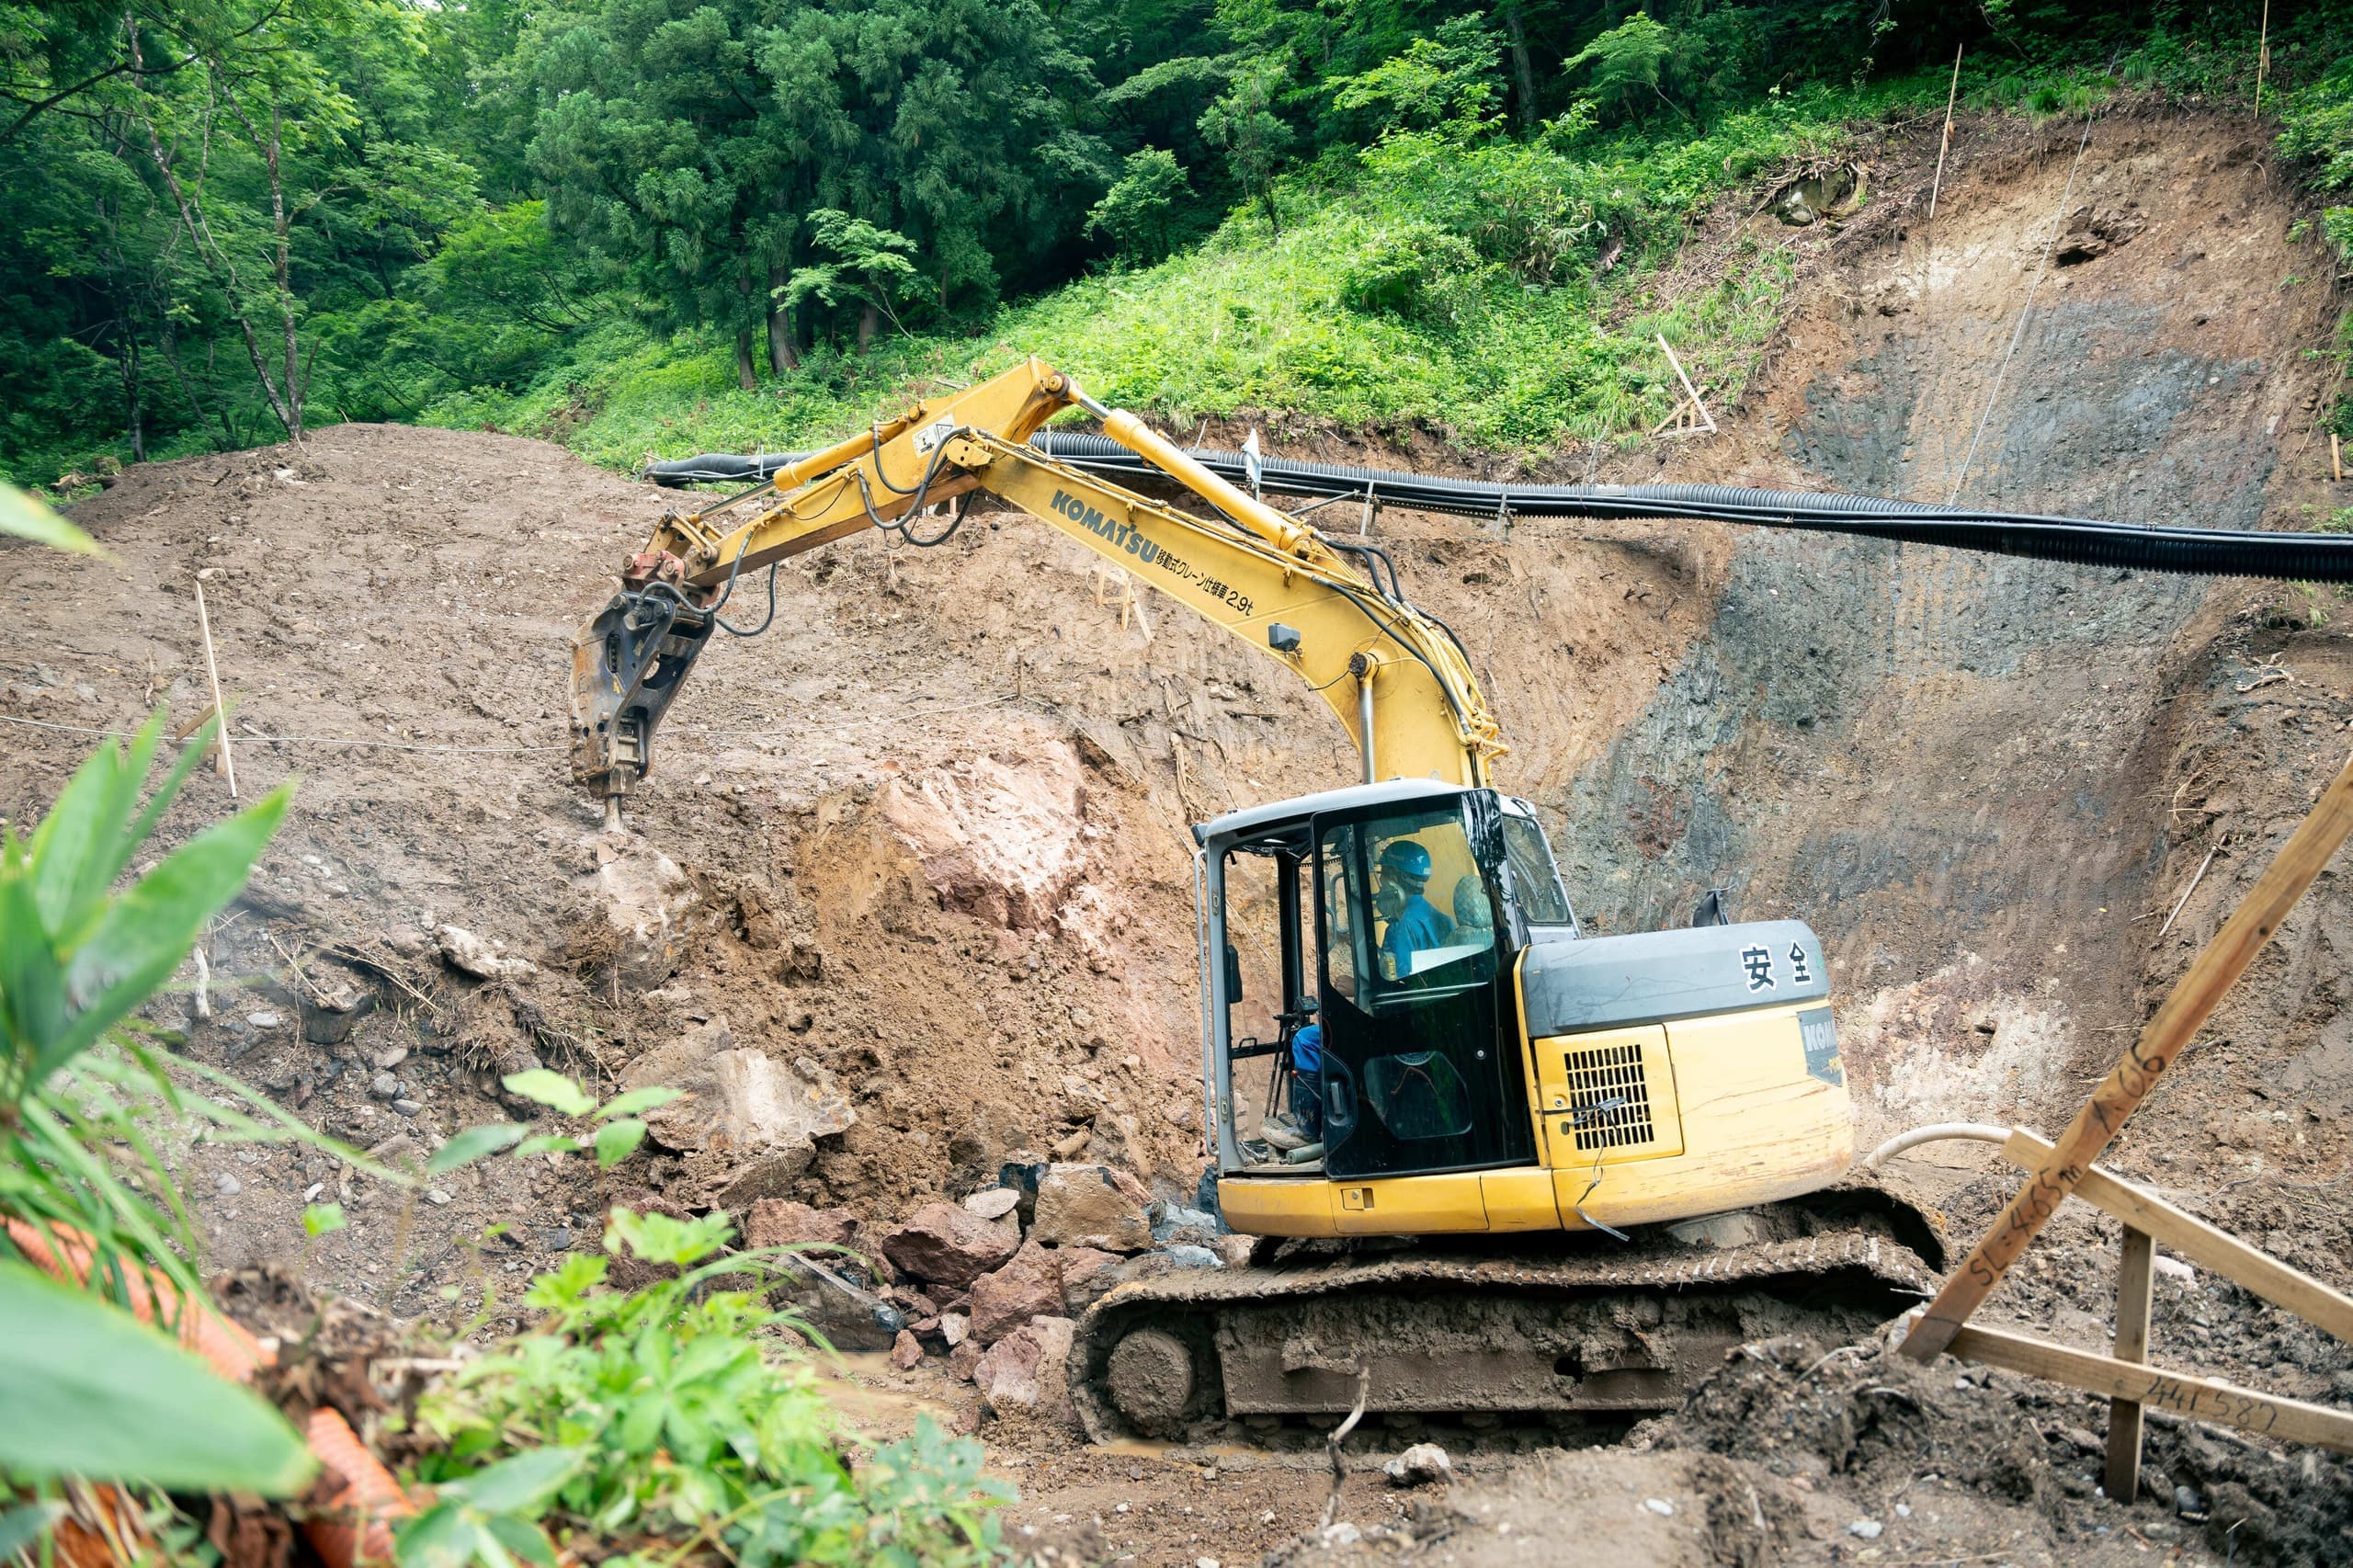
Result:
{"points": [[1406, 858]]}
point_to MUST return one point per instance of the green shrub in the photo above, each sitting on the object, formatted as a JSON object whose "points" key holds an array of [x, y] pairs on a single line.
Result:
{"points": [[1415, 270], [674, 1416], [92, 1394]]}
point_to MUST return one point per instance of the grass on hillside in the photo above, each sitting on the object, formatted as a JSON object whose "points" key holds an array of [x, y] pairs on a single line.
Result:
{"points": [[1436, 281]]}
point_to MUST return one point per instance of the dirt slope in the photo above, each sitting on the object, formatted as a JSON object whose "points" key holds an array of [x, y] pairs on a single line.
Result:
{"points": [[929, 834]]}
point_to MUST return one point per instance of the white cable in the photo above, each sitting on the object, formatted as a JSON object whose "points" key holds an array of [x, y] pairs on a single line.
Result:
{"points": [[1936, 1132], [2049, 245]]}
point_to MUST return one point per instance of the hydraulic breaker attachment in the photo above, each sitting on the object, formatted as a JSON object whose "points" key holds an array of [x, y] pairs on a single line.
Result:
{"points": [[626, 667]]}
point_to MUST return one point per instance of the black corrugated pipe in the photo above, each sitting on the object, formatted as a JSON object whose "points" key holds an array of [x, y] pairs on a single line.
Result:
{"points": [[2088, 542]]}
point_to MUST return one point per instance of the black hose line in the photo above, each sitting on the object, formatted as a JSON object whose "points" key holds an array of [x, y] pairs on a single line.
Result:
{"points": [[2088, 542]]}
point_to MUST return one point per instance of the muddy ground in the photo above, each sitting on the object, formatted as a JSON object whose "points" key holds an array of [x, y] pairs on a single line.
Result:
{"points": [[929, 837]]}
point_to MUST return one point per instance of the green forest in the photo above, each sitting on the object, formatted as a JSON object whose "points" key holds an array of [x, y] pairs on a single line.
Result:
{"points": [[653, 226]]}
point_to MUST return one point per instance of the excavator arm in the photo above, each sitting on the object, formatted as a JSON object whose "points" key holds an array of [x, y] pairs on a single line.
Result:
{"points": [[1395, 677]]}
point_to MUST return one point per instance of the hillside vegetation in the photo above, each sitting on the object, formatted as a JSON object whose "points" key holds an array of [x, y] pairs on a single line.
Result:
{"points": [[653, 226]]}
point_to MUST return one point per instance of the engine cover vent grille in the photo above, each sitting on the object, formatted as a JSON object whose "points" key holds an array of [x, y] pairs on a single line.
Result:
{"points": [[1609, 1097]]}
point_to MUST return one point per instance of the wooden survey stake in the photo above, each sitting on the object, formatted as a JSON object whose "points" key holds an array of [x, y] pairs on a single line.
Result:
{"points": [[2162, 1043], [2135, 1274], [1697, 407], [212, 673], [2179, 1393]]}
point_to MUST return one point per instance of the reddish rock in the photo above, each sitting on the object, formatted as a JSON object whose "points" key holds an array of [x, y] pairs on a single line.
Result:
{"points": [[1092, 1206], [1027, 1370], [949, 1244], [779, 1221], [1087, 1272], [962, 1360], [1030, 1286], [906, 1352]]}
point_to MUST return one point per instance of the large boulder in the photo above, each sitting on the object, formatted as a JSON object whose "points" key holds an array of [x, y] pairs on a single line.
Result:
{"points": [[949, 1244], [1092, 1206], [745, 1125], [1028, 1285], [646, 898], [999, 836], [781, 1221], [1029, 1370]]}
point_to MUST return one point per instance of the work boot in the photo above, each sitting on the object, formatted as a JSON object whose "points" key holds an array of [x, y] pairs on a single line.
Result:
{"points": [[1278, 1131]]}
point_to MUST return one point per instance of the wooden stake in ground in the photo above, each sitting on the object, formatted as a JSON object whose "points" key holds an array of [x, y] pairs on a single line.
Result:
{"points": [[2262, 60], [1692, 391], [1952, 95], [2164, 1042], [212, 673], [2336, 457], [2134, 1274]]}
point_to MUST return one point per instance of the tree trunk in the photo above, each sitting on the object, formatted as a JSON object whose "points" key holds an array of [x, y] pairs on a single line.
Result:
{"points": [[216, 258], [783, 353], [1522, 68], [131, 392], [746, 375], [282, 265], [870, 322]]}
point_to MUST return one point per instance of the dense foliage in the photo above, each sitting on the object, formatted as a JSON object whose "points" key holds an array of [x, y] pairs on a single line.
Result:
{"points": [[636, 1421], [649, 223]]}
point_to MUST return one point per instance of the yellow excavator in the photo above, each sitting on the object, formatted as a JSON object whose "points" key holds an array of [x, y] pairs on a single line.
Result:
{"points": [[1556, 1176]]}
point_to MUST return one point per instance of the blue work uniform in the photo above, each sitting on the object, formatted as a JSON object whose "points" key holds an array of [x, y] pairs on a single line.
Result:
{"points": [[1307, 1079], [1417, 927]]}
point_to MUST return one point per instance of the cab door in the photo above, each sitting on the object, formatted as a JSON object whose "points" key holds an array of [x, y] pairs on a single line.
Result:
{"points": [[1423, 1068]]}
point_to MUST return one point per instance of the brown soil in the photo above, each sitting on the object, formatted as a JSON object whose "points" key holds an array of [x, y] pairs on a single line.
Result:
{"points": [[935, 826]]}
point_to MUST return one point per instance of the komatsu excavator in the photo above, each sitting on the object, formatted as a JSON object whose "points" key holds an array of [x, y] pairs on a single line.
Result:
{"points": [[1558, 1176]]}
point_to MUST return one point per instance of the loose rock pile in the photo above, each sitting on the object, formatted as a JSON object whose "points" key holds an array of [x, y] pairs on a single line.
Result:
{"points": [[991, 1286]]}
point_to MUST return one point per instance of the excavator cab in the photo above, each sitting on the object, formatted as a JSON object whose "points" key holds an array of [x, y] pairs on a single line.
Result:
{"points": [[1485, 1066], [1392, 914]]}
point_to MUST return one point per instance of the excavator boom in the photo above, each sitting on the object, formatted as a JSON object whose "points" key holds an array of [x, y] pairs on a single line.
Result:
{"points": [[1394, 675]]}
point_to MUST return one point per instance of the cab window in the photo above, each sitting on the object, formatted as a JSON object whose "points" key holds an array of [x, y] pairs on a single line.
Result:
{"points": [[1406, 915], [1535, 881]]}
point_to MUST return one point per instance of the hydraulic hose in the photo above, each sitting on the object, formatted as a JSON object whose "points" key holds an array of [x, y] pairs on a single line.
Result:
{"points": [[2088, 542]]}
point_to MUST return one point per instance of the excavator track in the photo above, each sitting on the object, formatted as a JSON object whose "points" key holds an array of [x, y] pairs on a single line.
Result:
{"points": [[1548, 1331]]}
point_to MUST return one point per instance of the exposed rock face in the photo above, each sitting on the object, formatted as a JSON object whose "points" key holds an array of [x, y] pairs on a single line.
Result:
{"points": [[781, 1221], [949, 1244], [2093, 231], [1092, 1206], [646, 898], [1028, 1285], [1029, 1369], [999, 839], [746, 1123]]}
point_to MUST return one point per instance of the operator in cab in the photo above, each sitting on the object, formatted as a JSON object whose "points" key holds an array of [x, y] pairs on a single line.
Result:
{"points": [[1415, 925]]}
